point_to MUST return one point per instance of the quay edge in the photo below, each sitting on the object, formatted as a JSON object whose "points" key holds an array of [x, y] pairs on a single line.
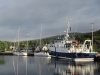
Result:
{"points": [[11, 53], [97, 58]]}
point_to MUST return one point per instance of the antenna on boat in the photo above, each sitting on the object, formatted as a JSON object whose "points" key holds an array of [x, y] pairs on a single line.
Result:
{"points": [[92, 35], [75, 30], [68, 24]]}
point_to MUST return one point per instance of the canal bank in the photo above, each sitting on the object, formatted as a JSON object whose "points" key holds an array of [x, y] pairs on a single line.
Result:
{"points": [[97, 58], [11, 53]]}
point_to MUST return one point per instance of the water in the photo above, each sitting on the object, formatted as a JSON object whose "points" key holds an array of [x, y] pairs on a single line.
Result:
{"points": [[22, 65]]}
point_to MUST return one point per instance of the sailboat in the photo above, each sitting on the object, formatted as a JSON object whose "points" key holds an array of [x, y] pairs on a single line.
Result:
{"points": [[17, 51], [41, 52]]}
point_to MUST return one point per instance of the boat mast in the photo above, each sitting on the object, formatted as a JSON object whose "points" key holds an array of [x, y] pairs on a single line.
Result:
{"points": [[18, 37], [92, 35], [27, 40], [68, 24], [40, 35]]}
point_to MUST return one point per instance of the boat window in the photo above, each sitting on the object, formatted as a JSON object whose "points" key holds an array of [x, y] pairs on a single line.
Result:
{"points": [[67, 45], [51, 45]]}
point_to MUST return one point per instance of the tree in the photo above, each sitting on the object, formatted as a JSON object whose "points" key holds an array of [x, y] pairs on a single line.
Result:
{"points": [[95, 47], [3, 46]]}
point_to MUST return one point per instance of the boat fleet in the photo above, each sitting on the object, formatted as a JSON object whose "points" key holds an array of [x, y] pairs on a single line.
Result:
{"points": [[66, 48]]}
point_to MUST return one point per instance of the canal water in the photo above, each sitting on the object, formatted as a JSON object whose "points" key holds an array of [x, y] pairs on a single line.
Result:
{"points": [[32, 65]]}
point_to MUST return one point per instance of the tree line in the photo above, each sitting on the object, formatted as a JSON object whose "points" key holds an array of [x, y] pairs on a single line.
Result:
{"points": [[4, 45]]}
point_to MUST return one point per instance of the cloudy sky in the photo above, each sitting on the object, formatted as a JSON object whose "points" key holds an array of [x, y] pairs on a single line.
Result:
{"points": [[51, 14]]}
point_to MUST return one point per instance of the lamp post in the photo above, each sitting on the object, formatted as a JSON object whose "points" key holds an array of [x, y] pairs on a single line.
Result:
{"points": [[92, 35]]}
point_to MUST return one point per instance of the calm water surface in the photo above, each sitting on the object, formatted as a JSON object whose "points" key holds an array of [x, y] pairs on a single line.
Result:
{"points": [[22, 65]]}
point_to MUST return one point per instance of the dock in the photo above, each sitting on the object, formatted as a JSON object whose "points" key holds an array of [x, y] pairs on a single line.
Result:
{"points": [[11, 53], [6, 53]]}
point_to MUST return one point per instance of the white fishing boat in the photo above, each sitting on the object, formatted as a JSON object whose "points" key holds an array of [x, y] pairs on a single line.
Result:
{"points": [[17, 50], [70, 48]]}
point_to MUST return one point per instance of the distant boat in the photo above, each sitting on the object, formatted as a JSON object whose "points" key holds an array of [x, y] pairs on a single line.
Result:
{"points": [[39, 51], [18, 51], [42, 52], [69, 48]]}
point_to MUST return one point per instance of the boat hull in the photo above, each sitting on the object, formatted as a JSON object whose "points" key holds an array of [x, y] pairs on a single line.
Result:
{"points": [[72, 55], [82, 59], [42, 54], [20, 53]]}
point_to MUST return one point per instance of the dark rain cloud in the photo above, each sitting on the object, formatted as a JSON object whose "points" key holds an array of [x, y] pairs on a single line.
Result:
{"points": [[53, 14]]}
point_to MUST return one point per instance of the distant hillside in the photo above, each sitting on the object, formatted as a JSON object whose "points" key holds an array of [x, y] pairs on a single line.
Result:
{"points": [[78, 36], [89, 34]]}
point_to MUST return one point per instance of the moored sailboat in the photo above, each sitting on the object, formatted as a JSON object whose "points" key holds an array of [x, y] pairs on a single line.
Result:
{"points": [[41, 51], [17, 50]]}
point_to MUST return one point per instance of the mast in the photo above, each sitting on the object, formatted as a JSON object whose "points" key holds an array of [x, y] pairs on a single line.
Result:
{"points": [[40, 34], [92, 35], [18, 37], [27, 40], [68, 24]]}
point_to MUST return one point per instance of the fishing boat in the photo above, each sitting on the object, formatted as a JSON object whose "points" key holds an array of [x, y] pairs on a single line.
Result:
{"points": [[69, 48], [18, 51]]}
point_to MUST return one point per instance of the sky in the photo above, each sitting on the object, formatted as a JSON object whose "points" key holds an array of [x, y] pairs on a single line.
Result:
{"points": [[44, 18]]}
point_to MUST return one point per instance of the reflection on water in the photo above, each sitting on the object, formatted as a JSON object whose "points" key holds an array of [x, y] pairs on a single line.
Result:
{"points": [[21, 65], [2, 61], [64, 67]]}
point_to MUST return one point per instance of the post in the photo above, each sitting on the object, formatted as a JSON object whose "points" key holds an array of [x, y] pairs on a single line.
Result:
{"points": [[55, 51], [92, 35]]}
